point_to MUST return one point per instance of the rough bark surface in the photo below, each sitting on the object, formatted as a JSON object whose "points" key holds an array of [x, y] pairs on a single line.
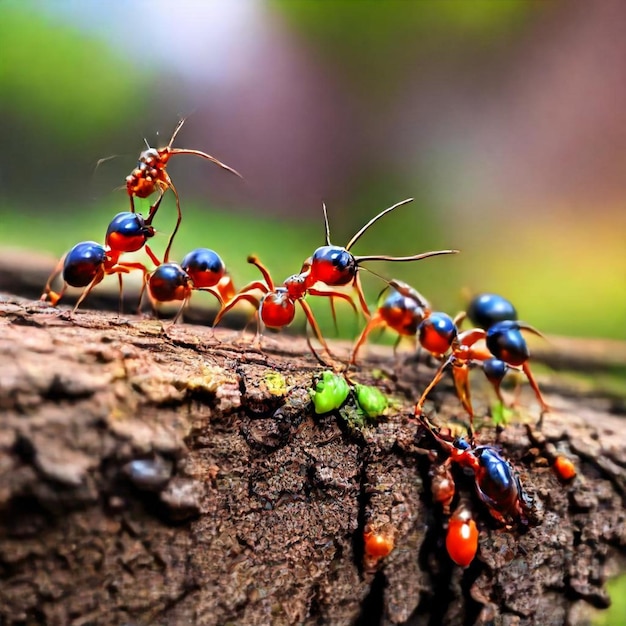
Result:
{"points": [[153, 476]]}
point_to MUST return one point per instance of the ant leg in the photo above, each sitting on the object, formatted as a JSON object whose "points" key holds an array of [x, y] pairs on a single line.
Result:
{"points": [[373, 323], [152, 256], [180, 311], [229, 305], [47, 290], [361, 296], [314, 325], [155, 207], [533, 383], [436, 378], [460, 374], [121, 297], [96, 280], [179, 217]]}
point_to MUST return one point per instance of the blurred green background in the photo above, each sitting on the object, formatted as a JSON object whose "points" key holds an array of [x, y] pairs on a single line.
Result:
{"points": [[505, 120]]}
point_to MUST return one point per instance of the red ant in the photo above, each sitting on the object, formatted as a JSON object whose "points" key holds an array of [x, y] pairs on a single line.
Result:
{"points": [[150, 175], [336, 266], [201, 270], [402, 310], [88, 262], [277, 307]]}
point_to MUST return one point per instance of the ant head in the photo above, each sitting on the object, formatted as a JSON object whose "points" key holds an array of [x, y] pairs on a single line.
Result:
{"points": [[487, 309], [401, 313], [505, 342], [83, 262], [437, 333], [205, 267], [128, 232], [169, 282], [150, 158], [333, 266], [277, 308], [495, 369]]}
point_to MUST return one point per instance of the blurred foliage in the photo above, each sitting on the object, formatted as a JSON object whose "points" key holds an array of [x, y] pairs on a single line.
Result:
{"points": [[59, 81], [374, 33], [616, 613]]}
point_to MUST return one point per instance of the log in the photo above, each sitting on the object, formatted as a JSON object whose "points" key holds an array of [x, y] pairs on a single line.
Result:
{"points": [[174, 475]]}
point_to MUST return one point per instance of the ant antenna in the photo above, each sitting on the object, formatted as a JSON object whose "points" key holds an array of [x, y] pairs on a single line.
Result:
{"points": [[176, 130], [326, 224], [415, 257], [357, 236]]}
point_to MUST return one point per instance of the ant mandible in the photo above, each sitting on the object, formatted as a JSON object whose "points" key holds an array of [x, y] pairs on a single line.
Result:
{"points": [[150, 175], [88, 262], [336, 266], [277, 306]]}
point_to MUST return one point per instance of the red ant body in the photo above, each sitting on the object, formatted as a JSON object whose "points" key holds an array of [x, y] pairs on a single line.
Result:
{"points": [[150, 175], [336, 266], [88, 262], [277, 307]]}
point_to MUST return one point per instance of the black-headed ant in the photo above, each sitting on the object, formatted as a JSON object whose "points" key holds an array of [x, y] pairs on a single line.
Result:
{"points": [[150, 175], [277, 306], [496, 482], [88, 262], [336, 266], [201, 270]]}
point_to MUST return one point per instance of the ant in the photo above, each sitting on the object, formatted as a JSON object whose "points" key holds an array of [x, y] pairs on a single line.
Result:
{"points": [[439, 334], [403, 310], [277, 307], [496, 482], [88, 262], [200, 270], [150, 175], [336, 266]]}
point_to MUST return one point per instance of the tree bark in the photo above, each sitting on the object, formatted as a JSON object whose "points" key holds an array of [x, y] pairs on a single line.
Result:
{"points": [[168, 475]]}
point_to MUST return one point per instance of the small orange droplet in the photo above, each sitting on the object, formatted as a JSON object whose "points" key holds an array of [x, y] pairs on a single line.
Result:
{"points": [[564, 468], [462, 538], [377, 545]]}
